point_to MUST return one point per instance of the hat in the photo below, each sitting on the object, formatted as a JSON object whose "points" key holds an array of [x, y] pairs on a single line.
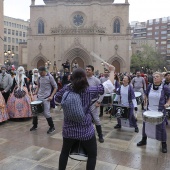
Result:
{"points": [[3, 66]]}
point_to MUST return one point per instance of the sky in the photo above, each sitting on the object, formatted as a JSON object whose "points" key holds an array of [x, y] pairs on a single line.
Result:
{"points": [[140, 10]]}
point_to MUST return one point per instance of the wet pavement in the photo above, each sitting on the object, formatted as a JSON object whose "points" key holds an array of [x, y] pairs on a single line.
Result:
{"points": [[21, 149]]}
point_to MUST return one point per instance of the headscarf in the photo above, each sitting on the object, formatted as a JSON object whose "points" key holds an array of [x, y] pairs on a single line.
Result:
{"points": [[19, 78], [34, 77]]}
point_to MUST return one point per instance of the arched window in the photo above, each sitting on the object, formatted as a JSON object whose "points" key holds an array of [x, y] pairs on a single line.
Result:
{"points": [[116, 27], [40, 27]]}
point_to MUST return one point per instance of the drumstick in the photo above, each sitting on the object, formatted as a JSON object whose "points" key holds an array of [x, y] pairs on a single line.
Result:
{"points": [[99, 58]]}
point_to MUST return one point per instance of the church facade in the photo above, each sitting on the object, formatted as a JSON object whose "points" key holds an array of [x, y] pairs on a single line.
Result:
{"points": [[71, 30]]}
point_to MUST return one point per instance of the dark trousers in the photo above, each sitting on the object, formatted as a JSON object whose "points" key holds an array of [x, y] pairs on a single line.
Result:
{"points": [[6, 96], [89, 145]]}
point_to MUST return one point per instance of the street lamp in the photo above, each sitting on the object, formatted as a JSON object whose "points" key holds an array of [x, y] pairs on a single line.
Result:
{"points": [[47, 64], [9, 56]]}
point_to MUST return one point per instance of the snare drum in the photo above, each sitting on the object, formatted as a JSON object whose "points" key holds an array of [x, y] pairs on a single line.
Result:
{"points": [[153, 117], [77, 152], [37, 107], [138, 96], [120, 111], [107, 99]]}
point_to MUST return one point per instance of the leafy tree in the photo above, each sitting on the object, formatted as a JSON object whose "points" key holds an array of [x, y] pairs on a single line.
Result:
{"points": [[147, 60]]}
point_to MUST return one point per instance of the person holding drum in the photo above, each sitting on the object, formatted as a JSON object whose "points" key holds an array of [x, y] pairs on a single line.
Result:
{"points": [[126, 96], [157, 99], [139, 85], [84, 131], [34, 83], [18, 104], [45, 91]]}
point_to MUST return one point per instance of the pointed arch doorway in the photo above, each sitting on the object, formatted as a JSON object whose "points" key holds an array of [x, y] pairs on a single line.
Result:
{"points": [[40, 63], [116, 64], [79, 61]]}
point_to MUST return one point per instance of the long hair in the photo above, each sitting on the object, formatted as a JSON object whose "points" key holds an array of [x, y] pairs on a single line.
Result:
{"points": [[78, 80]]}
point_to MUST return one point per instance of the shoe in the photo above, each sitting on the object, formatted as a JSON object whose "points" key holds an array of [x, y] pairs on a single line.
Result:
{"points": [[142, 142], [33, 128], [117, 126], [51, 130], [101, 140], [164, 147], [136, 129]]}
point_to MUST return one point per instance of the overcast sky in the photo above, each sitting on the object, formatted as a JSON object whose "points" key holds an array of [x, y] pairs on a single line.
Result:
{"points": [[140, 10]]}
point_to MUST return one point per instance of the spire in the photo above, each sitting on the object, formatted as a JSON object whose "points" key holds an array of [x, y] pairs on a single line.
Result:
{"points": [[32, 2]]}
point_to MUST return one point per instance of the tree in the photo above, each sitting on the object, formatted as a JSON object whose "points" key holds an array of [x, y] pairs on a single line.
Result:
{"points": [[147, 60]]}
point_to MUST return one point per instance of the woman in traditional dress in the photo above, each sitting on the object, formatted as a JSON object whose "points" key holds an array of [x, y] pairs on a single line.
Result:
{"points": [[3, 110], [157, 99], [19, 102], [126, 96], [34, 83]]}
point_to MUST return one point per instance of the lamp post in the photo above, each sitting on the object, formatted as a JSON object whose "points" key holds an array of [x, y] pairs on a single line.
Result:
{"points": [[47, 64], [9, 55]]}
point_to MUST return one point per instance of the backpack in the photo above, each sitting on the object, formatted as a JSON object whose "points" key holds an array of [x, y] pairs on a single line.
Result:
{"points": [[72, 107]]}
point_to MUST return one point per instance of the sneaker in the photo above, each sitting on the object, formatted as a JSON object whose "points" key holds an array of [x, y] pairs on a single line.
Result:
{"points": [[136, 129], [51, 130], [117, 126], [33, 128]]}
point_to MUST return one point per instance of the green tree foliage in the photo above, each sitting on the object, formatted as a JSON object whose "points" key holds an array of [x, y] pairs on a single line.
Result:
{"points": [[147, 59]]}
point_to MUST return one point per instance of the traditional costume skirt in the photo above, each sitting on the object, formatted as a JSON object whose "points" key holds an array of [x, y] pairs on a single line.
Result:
{"points": [[3, 110], [18, 104]]}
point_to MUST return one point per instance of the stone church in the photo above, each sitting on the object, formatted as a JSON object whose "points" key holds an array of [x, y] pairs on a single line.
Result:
{"points": [[70, 30]]}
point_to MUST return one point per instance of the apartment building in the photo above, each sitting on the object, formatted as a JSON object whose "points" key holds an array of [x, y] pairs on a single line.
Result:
{"points": [[155, 29], [15, 31]]}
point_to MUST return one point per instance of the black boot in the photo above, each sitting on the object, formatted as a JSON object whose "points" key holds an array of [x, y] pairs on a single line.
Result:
{"points": [[50, 123], [142, 142], [117, 126], [99, 131], [164, 147], [142, 106], [35, 123]]}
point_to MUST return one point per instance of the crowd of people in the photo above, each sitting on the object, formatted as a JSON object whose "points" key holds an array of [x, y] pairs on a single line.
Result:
{"points": [[19, 89]]}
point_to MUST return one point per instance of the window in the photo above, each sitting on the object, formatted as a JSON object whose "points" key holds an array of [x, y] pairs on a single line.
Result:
{"points": [[9, 23], [150, 28], [168, 46], [168, 42], [20, 40], [5, 39], [157, 21], [23, 40], [164, 20], [40, 27], [13, 48], [157, 27], [9, 39], [9, 31], [163, 42], [163, 47], [163, 27], [17, 40], [163, 38], [13, 32], [13, 40], [24, 34], [17, 25], [116, 28], [16, 33], [5, 47], [20, 33], [16, 48], [163, 32], [157, 33], [149, 33], [5, 30], [9, 47]]}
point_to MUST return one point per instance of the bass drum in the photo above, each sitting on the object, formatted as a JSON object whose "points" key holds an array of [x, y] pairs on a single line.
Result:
{"points": [[77, 152]]}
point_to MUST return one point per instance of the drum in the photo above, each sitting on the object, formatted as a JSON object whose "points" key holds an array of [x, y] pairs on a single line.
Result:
{"points": [[37, 107], [138, 96], [153, 117], [77, 152], [107, 99], [120, 111], [168, 111]]}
